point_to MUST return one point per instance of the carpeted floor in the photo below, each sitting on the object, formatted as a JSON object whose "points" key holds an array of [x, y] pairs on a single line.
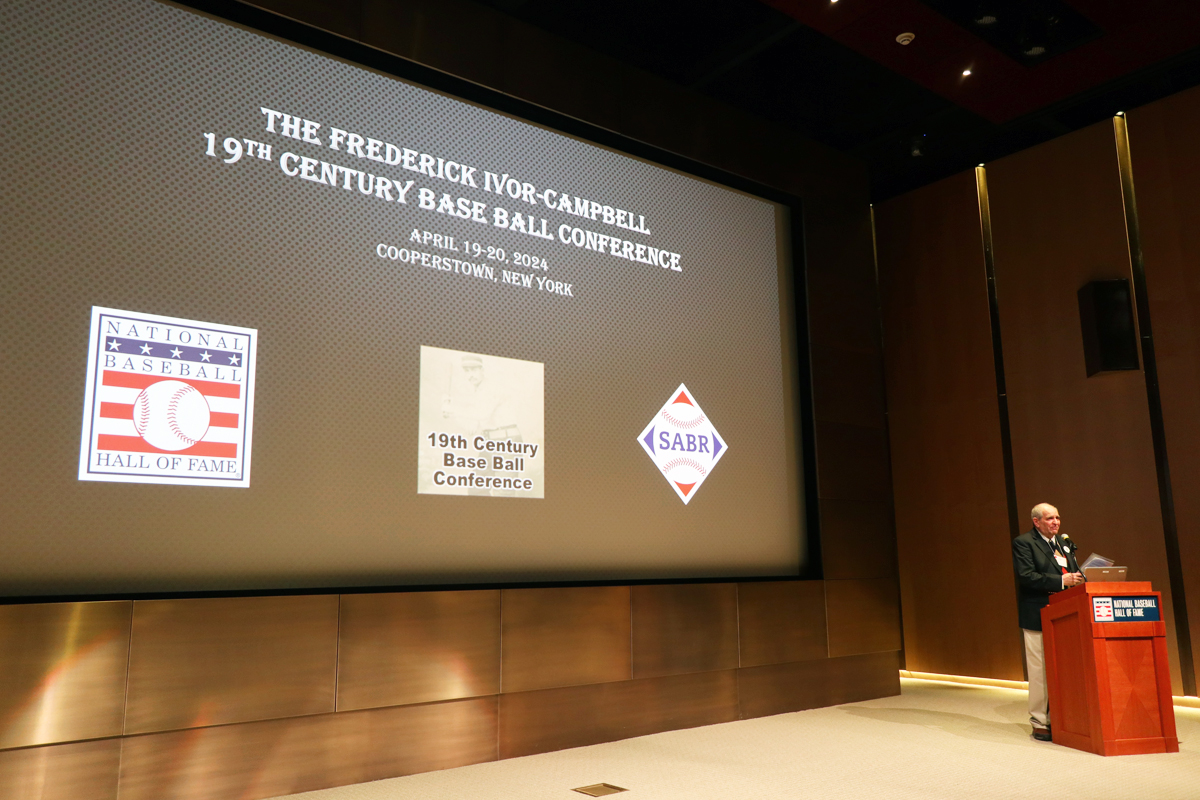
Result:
{"points": [[936, 740]]}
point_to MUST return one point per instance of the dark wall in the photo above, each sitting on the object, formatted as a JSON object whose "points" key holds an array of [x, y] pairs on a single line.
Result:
{"points": [[960, 611], [1082, 444], [253, 697]]}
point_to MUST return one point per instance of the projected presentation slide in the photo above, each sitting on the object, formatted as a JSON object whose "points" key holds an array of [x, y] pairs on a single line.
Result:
{"points": [[460, 346]]}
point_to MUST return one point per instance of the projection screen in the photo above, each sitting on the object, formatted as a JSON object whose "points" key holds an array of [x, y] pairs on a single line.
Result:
{"points": [[273, 319]]}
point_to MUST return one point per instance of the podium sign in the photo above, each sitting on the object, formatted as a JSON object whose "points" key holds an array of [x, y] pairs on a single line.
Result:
{"points": [[1107, 671], [1125, 609]]}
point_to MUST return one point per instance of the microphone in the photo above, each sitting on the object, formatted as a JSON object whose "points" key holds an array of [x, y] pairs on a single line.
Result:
{"points": [[1070, 547]]}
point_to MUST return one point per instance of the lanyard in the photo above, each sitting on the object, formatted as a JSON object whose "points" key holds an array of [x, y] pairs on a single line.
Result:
{"points": [[1058, 552]]}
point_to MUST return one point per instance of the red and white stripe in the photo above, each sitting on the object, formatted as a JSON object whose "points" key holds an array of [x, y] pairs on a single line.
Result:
{"points": [[114, 426]]}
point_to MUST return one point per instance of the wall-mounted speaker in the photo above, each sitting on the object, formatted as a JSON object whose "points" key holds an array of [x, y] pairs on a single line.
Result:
{"points": [[1106, 317]]}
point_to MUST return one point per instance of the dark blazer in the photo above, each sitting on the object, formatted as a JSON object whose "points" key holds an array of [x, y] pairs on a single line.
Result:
{"points": [[1038, 576]]}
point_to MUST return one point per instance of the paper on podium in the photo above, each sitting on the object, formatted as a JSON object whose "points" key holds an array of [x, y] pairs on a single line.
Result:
{"points": [[1095, 560]]}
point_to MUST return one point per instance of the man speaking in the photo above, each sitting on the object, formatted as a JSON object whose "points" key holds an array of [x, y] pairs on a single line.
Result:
{"points": [[1042, 566]]}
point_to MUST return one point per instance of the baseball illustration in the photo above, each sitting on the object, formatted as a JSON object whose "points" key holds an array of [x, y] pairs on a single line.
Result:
{"points": [[171, 415], [682, 413]]}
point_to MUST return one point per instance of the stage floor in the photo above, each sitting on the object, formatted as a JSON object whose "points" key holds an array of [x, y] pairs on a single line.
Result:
{"points": [[936, 740]]}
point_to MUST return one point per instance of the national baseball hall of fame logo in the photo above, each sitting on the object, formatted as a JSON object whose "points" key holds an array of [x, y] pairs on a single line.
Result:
{"points": [[167, 401], [682, 442]]}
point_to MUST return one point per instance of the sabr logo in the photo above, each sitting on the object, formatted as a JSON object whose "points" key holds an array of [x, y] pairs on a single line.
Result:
{"points": [[683, 443]]}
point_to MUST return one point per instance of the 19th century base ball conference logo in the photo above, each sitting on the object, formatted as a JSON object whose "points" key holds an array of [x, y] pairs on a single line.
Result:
{"points": [[683, 443], [167, 401], [482, 425]]}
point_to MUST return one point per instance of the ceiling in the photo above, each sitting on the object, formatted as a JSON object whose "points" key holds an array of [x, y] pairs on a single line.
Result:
{"points": [[833, 70]]}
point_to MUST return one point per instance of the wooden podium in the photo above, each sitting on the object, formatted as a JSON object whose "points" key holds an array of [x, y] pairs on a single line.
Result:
{"points": [[1106, 669]]}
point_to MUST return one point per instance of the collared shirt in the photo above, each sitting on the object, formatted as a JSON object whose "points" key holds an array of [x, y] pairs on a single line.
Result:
{"points": [[1058, 554]]}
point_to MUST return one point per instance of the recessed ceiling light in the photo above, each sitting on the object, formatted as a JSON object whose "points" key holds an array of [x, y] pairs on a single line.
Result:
{"points": [[1035, 50], [966, 72], [906, 38], [982, 19]]}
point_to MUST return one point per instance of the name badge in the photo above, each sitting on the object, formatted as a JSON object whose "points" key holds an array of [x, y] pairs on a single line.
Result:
{"points": [[1062, 560]]}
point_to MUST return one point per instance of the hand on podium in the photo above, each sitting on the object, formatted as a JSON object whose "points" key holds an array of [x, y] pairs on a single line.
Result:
{"points": [[1072, 579]]}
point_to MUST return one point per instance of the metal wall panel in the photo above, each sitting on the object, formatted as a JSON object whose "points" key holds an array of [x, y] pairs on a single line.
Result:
{"points": [[417, 647], [62, 671], [781, 621], [565, 637], [278, 757], [864, 616], [215, 661], [684, 628], [79, 771], [555, 719], [780, 688]]}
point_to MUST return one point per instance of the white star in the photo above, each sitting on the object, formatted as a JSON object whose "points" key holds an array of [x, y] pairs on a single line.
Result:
{"points": [[233, 360], [146, 349], [114, 345], [176, 353], [205, 356]]}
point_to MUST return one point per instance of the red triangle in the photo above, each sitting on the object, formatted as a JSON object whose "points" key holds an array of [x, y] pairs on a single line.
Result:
{"points": [[683, 398], [684, 487]]}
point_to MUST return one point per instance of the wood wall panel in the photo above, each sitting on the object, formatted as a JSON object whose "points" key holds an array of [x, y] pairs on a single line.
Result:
{"points": [[780, 621], [850, 390], [864, 616], [840, 276], [781, 688], [943, 418], [684, 628], [852, 462], [858, 539], [417, 647], [215, 661], [278, 757], [566, 637], [1082, 444], [555, 719], [62, 671], [847, 377], [80, 771], [1166, 172]]}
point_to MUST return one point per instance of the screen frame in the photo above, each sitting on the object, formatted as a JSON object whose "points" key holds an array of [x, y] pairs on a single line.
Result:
{"points": [[325, 43]]}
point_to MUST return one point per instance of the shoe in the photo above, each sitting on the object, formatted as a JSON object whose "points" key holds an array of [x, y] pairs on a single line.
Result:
{"points": [[1042, 734]]}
